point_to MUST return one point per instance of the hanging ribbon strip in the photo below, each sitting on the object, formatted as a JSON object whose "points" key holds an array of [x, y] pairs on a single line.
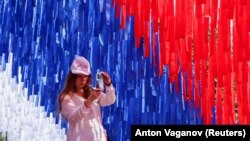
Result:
{"points": [[208, 40]]}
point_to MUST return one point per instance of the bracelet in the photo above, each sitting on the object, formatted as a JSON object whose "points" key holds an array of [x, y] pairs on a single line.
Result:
{"points": [[108, 83]]}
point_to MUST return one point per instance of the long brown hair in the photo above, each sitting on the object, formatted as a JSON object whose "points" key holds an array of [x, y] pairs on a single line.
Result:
{"points": [[69, 88]]}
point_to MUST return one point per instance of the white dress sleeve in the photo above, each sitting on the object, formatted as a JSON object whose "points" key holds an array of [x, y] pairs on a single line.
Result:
{"points": [[72, 112], [108, 98]]}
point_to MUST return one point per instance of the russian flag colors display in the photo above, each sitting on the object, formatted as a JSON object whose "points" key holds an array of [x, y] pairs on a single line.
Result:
{"points": [[178, 62]]}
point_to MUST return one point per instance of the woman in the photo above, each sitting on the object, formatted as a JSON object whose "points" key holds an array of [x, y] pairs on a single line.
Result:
{"points": [[80, 104]]}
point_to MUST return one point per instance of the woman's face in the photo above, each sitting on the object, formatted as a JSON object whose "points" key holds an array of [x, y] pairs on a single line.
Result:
{"points": [[81, 81]]}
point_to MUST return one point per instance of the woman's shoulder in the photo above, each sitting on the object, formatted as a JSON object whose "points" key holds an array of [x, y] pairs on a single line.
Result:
{"points": [[65, 96]]}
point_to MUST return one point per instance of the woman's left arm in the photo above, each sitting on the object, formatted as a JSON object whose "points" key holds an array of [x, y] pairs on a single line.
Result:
{"points": [[109, 97]]}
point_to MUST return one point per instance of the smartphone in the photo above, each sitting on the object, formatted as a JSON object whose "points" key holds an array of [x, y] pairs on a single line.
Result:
{"points": [[99, 82]]}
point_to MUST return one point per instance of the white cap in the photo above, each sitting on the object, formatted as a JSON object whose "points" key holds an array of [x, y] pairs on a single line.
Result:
{"points": [[80, 65]]}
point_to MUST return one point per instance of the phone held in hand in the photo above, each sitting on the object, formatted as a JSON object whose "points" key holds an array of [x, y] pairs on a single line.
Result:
{"points": [[99, 82]]}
